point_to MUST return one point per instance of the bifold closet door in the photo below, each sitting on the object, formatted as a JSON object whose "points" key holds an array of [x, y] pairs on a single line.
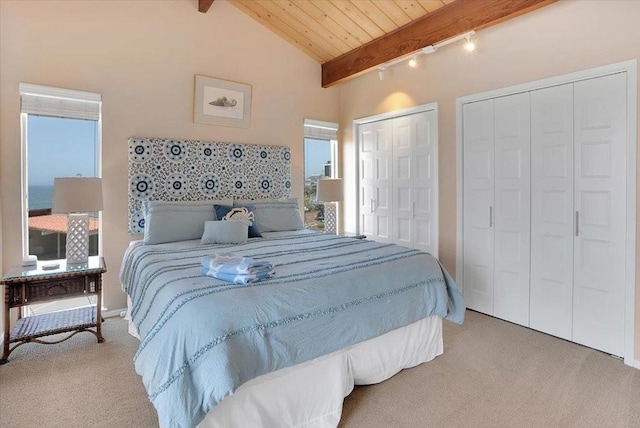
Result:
{"points": [[414, 139], [552, 227], [375, 180], [600, 208], [512, 210], [478, 203]]}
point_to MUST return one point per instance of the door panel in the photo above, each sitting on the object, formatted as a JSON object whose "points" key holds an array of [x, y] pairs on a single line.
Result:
{"points": [[478, 194], [404, 139], [375, 169], [423, 182], [600, 205], [512, 216], [552, 229]]}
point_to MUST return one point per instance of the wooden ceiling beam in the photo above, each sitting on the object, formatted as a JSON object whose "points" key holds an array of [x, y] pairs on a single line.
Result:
{"points": [[458, 17], [204, 5]]}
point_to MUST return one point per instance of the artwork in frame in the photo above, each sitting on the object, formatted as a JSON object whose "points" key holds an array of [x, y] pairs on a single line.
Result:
{"points": [[222, 102]]}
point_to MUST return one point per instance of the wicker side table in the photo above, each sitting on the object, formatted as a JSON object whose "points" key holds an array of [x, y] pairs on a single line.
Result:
{"points": [[26, 286]]}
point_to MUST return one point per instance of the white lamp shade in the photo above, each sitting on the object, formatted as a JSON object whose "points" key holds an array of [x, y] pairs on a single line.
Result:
{"points": [[330, 190], [76, 195]]}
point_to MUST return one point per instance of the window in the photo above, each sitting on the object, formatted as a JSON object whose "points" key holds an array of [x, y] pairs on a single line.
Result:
{"points": [[320, 161], [60, 138]]}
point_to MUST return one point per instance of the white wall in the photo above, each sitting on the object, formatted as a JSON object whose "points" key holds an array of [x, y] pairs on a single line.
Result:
{"points": [[142, 57], [563, 37]]}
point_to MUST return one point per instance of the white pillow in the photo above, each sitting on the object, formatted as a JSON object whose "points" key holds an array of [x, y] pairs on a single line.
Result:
{"points": [[275, 215], [225, 232], [177, 221]]}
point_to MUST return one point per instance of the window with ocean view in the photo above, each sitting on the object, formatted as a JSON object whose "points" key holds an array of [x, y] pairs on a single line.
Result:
{"points": [[57, 147], [61, 138]]}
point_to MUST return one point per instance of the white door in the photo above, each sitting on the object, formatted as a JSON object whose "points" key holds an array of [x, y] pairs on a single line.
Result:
{"points": [[375, 180], [552, 227], [425, 203], [600, 205], [403, 142], [414, 191], [478, 202], [511, 213]]}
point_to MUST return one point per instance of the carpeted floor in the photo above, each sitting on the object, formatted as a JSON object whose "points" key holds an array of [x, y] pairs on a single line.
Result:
{"points": [[492, 374]]}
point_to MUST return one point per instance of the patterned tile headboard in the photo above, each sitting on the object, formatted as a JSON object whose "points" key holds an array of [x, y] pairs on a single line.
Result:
{"points": [[189, 170]]}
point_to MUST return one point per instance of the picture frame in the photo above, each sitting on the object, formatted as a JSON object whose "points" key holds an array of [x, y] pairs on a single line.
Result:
{"points": [[222, 102]]}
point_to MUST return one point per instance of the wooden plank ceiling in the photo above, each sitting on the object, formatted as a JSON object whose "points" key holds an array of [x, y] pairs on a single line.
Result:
{"points": [[349, 37]]}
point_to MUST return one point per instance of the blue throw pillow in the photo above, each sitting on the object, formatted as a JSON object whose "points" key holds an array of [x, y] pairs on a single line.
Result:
{"points": [[245, 213]]}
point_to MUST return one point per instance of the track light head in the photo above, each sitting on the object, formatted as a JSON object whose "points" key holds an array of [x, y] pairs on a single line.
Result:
{"points": [[469, 46], [413, 62]]}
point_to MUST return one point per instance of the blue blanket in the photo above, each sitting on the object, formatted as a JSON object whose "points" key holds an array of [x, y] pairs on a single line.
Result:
{"points": [[202, 338]]}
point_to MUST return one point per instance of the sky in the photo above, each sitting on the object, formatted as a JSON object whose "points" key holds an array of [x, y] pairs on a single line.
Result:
{"points": [[316, 154], [60, 148]]}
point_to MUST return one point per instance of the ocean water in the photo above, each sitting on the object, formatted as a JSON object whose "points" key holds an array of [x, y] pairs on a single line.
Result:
{"points": [[40, 197]]}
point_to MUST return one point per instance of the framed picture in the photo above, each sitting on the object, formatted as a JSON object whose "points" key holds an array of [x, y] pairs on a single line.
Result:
{"points": [[222, 102]]}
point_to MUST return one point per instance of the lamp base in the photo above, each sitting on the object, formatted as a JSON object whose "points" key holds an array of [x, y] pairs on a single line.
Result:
{"points": [[330, 220], [78, 238]]}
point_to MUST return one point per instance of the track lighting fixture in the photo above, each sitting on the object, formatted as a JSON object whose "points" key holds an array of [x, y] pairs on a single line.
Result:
{"points": [[469, 46]]}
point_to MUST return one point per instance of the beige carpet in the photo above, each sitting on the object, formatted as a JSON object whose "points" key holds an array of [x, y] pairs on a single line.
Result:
{"points": [[492, 374]]}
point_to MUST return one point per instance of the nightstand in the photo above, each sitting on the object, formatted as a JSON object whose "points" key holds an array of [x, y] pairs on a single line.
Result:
{"points": [[32, 284]]}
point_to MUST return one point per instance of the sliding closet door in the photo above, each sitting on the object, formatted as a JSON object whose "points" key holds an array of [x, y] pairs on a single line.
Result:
{"points": [[600, 204], [552, 210], [512, 219], [478, 194], [375, 180]]}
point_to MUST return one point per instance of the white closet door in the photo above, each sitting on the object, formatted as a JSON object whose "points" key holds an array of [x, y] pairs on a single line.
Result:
{"points": [[478, 194], [552, 227], [375, 180], [512, 212], [600, 204], [424, 182], [404, 140]]}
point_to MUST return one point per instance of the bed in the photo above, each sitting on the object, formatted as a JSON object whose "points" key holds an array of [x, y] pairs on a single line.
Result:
{"points": [[285, 351]]}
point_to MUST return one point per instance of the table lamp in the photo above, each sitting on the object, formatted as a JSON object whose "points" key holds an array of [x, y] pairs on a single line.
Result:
{"points": [[329, 191], [77, 196]]}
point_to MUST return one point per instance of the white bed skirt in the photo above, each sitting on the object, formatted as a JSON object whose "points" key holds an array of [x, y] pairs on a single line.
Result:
{"points": [[310, 394]]}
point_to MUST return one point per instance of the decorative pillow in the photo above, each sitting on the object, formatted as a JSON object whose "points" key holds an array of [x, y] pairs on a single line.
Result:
{"points": [[225, 232], [246, 213], [276, 215], [176, 221]]}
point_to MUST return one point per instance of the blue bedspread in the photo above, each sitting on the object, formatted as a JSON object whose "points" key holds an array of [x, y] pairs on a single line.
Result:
{"points": [[202, 338]]}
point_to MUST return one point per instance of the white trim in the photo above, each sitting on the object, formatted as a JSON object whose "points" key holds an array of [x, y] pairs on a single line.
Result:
{"points": [[636, 364], [630, 265], [436, 178], [629, 67], [114, 313], [312, 123], [49, 91], [395, 113]]}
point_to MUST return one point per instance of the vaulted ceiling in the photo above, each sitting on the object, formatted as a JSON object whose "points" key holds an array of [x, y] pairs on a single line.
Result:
{"points": [[350, 37]]}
